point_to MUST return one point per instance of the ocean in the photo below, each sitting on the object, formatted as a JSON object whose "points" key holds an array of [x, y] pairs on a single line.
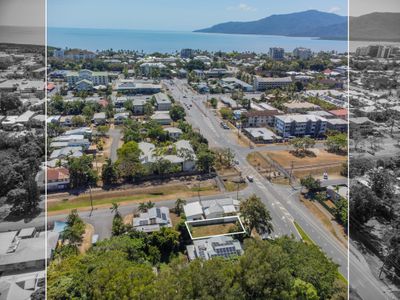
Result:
{"points": [[171, 41], [22, 35]]}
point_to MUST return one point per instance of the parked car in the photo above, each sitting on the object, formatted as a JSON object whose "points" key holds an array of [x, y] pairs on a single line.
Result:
{"points": [[250, 178]]}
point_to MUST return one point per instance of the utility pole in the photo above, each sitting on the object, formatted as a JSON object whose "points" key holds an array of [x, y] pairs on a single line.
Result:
{"points": [[291, 172], [198, 192], [91, 200], [237, 192]]}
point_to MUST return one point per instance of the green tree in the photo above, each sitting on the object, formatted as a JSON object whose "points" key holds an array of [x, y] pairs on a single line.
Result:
{"points": [[336, 143], [256, 216], [214, 102], [81, 171], [145, 206], [205, 161], [179, 203], [341, 211], [109, 174], [381, 183], [313, 185], [226, 113], [128, 162], [74, 229], [118, 226], [177, 113]]}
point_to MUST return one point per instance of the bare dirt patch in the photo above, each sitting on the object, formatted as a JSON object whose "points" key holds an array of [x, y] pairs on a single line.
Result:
{"points": [[266, 169], [86, 239], [128, 219], [323, 161]]}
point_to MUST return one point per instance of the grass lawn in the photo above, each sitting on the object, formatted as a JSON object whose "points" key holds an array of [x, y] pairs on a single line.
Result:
{"points": [[231, 186], [215, 229], [140, 195], [304, 235]]}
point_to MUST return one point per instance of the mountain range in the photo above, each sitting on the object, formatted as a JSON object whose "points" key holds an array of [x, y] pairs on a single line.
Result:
{"points": [[323, 25]]}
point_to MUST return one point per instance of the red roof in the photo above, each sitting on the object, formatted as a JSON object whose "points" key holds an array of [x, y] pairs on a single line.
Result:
{"points": [[103, 102], [327, 71], [50, 86], [57, 174], [339, 112]]}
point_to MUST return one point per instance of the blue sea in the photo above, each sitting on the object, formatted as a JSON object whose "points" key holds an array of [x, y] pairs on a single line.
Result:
{"points": [[171, 41]]}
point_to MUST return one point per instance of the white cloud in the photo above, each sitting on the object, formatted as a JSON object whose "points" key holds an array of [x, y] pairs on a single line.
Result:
{"points": [[242, 7], [334, 9]]}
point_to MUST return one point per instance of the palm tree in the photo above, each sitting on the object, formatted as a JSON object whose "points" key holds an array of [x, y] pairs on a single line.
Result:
{"points": [[179, 203], [150, 204], [145, 206], [114, 208], [142, 207]]}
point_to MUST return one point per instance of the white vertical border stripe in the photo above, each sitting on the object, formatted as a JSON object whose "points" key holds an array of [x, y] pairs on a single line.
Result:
{"points": [[348, 148], [45, 146]]}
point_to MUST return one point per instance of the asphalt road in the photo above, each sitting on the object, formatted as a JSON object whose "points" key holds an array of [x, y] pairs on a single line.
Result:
{"points": [[115, 135], [283, 202]]}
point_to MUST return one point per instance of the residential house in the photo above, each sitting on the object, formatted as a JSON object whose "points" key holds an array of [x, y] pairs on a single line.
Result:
{"points": [[209, 209], [220, 246], [57, 179], [361, 125], [262, 135], [22, 251], [99, 118], [152, 220], [119, 118], [162, 117], [173, 132]]}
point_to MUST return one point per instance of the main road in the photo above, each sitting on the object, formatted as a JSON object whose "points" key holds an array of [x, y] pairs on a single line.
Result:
{"points": [[283, 202]]}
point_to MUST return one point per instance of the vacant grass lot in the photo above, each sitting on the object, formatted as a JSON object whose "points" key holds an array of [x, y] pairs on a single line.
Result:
{"points": [[169, 192], [215, 229], [323, 161]]}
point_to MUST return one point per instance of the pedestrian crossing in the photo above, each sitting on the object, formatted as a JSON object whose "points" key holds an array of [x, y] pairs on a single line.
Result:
{"points": [[248, 171]]}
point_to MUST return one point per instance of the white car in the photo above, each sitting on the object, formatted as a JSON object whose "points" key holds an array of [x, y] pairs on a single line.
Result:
{"points": [[250, 178]]}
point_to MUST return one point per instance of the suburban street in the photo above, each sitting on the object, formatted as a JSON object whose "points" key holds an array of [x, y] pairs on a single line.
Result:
{"points": [[115, 135], [283, 202]]}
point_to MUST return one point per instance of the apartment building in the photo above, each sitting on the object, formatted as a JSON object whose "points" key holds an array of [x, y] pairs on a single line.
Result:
{"points": [[276, 53], [300, 125], [97, 78], [302, 53], [260, 118], [266, 83]]}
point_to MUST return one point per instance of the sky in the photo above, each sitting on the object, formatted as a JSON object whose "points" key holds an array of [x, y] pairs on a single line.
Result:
{"points": [[22, 13], [362, 7], [180, 15]]}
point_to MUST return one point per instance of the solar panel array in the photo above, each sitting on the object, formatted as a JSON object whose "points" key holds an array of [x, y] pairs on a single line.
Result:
{"points": [[226, 251]]}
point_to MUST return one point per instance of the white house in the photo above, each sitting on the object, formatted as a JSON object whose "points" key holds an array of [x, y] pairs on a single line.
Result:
{"points": [[209, 209], [219, 246], [152, 220]]}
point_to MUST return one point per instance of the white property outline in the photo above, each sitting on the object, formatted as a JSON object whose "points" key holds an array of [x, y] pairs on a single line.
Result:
{"points": [[187, 223]]}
